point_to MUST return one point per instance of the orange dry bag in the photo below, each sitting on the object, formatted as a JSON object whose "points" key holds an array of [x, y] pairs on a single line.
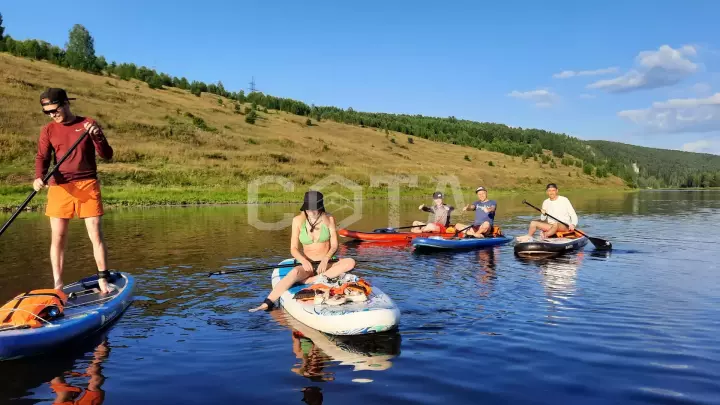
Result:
{"points": [[31, 308]]}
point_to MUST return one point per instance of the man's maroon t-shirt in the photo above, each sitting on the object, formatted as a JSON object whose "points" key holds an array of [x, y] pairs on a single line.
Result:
{"points": [[81, 164]]}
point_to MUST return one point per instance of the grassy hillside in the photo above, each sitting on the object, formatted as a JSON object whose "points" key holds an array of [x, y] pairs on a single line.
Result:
{"points": [[173, 147]]}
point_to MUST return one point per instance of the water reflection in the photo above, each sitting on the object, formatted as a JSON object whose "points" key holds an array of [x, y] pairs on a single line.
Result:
{"points": [[57, 372], [371, 248], [312, 395], [66, 393], [486, 274], [317, 351], [559, 274]]}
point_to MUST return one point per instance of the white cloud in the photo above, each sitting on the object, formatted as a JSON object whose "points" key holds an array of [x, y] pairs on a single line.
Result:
{"points": [[664, 67], [678, 115], [701, 88], [702, 146], [587, 96], [565, 74], [542, 98]]}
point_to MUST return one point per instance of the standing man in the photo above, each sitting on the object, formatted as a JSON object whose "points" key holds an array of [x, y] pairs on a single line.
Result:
{"points": [[484, 215], [557, 206], [74, 188]]}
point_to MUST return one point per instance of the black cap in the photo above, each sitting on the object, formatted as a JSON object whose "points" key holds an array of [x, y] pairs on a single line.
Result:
{"points": [[313, 201], [55, 95], [551, 185], [481, 188], [437, 194]]}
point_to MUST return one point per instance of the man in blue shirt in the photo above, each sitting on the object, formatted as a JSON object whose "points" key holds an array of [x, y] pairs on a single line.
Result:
{"points": [[484, 215]]}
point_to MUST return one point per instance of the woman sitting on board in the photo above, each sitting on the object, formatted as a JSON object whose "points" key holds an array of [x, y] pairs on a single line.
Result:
{"points": [[315, 230], [442, 216]]}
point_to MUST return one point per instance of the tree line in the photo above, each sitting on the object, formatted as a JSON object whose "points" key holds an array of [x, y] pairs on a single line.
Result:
{"points": [[653, 167]]}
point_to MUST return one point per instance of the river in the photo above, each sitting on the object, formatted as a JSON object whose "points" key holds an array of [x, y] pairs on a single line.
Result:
{"points": [[638, 325]]}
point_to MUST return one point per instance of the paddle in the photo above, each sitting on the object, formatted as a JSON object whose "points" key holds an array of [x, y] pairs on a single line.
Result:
{"points": [[600, 244], [45, 180], [389, 230], [462, 230], [275, 266]]}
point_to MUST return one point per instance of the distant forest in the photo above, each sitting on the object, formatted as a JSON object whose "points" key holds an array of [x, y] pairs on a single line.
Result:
{"points": [[638, 166]]}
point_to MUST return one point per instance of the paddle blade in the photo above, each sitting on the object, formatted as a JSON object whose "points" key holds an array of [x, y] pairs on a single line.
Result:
{"points": [[601, 244], [385, 230]]}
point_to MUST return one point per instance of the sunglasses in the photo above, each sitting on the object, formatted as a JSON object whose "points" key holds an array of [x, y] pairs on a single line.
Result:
{"points": [[53, 111]]}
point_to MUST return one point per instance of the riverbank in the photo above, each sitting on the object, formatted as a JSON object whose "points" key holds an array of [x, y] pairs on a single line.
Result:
{"points": [[145, 196]]}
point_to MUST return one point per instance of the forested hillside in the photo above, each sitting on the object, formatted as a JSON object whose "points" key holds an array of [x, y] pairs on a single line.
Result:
{"points": [[655, 167], [662, 167]]}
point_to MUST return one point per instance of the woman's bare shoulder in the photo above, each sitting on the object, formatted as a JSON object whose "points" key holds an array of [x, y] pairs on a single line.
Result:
{"points": [[329, 219]]}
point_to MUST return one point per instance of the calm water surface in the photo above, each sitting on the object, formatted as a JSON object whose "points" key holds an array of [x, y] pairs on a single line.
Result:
{"points": [[640, 325]]}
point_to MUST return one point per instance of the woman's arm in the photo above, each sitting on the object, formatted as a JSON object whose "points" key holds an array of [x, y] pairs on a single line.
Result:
{"points": [[295, 240], [330, 222]]}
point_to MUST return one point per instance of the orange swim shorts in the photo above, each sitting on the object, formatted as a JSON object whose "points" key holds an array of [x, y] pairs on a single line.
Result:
{"points": [[80, 197], [441, 227]]}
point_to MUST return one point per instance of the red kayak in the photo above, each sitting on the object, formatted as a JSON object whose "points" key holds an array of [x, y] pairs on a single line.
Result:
{"points": [[390, 236]]}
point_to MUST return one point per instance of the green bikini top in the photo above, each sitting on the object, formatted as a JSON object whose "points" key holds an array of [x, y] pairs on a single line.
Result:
{"points": [[306, 238]]}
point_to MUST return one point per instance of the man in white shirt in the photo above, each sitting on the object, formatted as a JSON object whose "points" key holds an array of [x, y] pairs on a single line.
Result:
{"points": [[557, 206]]}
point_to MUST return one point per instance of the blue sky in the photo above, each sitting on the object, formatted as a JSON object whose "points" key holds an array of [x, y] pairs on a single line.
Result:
{"points": [[641, 72]]}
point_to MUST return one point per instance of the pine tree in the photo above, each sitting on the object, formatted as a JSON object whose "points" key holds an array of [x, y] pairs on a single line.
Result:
{"points": [[250, 118]]}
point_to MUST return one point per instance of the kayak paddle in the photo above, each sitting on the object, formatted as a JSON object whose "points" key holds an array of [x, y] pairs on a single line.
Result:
{"points": [[392, 230], [600, 244], [275, 266], [462, 230], [45, 180]]}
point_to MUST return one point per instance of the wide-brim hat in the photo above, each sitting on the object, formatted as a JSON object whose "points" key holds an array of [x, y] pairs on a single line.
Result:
{"points": [[313, 201]]}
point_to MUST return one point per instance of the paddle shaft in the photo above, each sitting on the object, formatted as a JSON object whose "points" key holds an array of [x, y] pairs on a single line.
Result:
{"points": [[45, 180], [401, 227], [540, 211], [405, 227], [275, 266], [462, 230]]}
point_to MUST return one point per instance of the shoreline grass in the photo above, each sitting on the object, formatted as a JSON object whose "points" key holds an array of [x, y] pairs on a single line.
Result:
{"points": [[144, 196]]}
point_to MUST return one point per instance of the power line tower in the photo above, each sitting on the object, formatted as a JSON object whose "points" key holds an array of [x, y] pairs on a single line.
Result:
{"points": [[252, 87]]}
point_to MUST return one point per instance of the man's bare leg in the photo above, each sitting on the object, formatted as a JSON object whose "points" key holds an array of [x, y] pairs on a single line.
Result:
{"points": [[58, 228], [94, 228]]}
